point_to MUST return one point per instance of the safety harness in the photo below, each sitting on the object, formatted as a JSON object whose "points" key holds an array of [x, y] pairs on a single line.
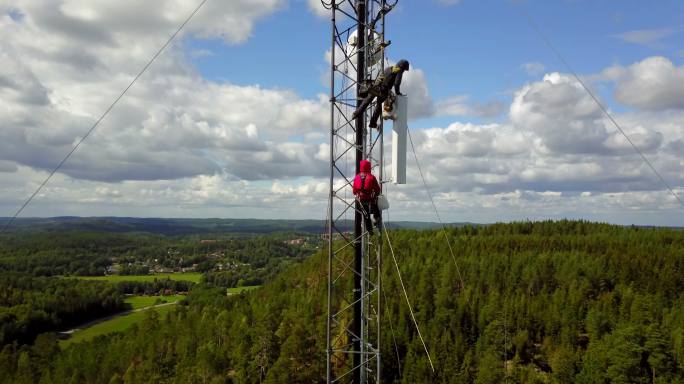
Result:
{"points": [[363, 183]]}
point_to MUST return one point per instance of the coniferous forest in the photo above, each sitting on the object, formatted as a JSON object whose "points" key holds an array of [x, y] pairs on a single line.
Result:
{"points": [[546, 302]]}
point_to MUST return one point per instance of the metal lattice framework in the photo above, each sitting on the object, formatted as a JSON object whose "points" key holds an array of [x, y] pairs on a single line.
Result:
{"points": [[354, 258]]}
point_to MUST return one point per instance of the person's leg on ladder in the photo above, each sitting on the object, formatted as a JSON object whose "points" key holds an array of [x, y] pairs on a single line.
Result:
{"points": [[377, 111], [364, 104], [377, 215], [366, 206]]}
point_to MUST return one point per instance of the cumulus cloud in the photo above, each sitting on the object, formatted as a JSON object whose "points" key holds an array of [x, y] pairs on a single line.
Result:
{"points": [[63, 62], [652, 84], [568, 121], [415, 85], [231, 21]]}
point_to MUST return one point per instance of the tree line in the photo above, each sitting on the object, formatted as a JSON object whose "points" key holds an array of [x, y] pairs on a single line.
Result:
{"points": [[30, 305]]}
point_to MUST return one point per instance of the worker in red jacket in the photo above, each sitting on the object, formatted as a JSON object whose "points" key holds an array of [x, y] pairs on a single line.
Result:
{"points": [[366, 189]]}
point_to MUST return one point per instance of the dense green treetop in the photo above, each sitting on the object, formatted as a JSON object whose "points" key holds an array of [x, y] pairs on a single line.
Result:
{"points": [[549, 302]]}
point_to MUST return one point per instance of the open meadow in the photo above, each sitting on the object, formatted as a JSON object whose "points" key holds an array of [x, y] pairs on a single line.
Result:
{"points": [[236, 290], [191, 277], [115, 324], [138, 302]]}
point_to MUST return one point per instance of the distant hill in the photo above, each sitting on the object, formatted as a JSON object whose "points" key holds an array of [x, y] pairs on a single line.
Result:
{"points": [[188, 226]]}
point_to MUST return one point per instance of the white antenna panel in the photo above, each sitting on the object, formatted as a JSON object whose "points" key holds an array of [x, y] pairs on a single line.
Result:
{"points": [[399, 132]]}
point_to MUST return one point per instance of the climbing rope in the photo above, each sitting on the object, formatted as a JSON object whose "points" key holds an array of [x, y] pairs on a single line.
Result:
{"points": [[434, 206], [408, 302], [394, 339]]}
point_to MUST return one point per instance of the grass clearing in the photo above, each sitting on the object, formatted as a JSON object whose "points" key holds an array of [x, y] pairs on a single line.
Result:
{"points": [[117, 324], [232, 291], [192, 277], [138, 302]]}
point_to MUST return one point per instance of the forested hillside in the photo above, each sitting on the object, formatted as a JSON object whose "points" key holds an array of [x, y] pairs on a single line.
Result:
{"points": [[549, 302], [69, 252]]}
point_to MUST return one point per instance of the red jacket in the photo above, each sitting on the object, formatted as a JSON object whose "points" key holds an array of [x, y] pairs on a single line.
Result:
{"points": [[366, 186]]}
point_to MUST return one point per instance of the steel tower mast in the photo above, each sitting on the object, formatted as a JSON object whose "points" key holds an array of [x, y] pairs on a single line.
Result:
{"points": [[354, 260]]}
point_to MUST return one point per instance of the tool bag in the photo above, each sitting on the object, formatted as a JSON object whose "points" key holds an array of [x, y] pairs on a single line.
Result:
{"points": [[383, 203]]}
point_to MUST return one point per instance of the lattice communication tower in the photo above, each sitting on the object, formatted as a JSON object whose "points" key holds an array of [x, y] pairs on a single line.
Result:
{"points": [[357, 56]]}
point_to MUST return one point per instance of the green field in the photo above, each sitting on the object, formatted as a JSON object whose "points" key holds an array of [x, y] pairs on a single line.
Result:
{"points": [[192, 277], [138, 302], [116, 324], [232, 291]]}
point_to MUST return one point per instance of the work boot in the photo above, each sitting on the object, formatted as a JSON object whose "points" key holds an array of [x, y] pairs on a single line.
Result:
{"points": [[373, 124]]}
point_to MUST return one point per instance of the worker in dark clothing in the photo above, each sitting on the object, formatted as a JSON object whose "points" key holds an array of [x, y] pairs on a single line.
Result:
{"points": [[366, 189], [381, 88]]}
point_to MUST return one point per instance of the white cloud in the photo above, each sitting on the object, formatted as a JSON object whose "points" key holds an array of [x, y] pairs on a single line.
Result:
{"points": [[453, 106], [568, 121], [557, 157], [198, 196], [463, 106], [652, 84], [489, 109], [317, 8], [180, 145], [533, 68], [8, 167], [646, 37], [557, 109], [64, 62], [414, 84], [197, 53]]}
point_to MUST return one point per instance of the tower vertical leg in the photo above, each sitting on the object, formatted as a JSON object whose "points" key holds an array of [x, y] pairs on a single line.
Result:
{"points": [[331, 196], [358, 220], [353, 323]]}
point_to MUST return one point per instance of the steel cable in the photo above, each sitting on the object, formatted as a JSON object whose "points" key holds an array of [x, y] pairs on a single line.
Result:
{"points": [[560, 57], [99, 120]]}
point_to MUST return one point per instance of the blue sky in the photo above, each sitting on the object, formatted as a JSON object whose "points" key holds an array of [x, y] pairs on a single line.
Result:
{"points": [[474, 48], [484, 50], [228, 122]]}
